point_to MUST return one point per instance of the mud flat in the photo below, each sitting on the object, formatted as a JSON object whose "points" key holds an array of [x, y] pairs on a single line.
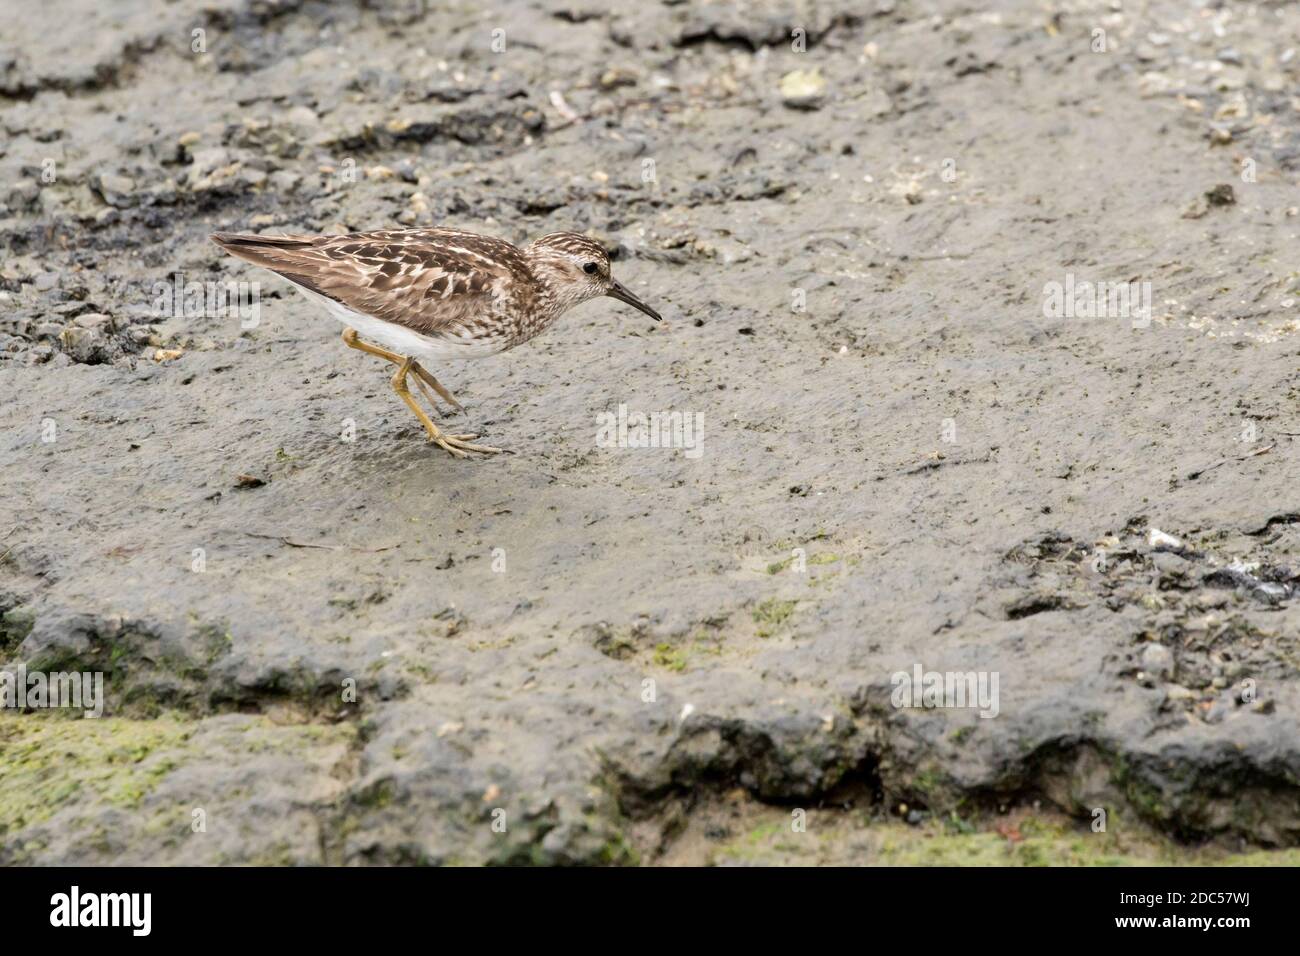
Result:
{"points": [[343, 647]]}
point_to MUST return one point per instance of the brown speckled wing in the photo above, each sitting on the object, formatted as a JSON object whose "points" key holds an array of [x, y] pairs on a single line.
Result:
{"points": [[432, 281]]}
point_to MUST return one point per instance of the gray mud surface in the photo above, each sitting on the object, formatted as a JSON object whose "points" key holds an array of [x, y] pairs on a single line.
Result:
{"points": [[343, 646]]}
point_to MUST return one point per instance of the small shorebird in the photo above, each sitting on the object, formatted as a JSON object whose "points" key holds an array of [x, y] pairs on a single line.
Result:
{"points": [[424, 295]]}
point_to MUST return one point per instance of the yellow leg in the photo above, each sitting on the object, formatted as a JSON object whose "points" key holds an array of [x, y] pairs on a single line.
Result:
{"points": [[426, 376], [458, 445], [351, 340]]}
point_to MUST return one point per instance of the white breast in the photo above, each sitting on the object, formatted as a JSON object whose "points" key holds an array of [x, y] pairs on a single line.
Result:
{"points": [[402, 340]]}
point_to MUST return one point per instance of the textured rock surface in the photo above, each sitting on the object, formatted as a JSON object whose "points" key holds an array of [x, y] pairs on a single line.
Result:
{"points": [[235, 520]]}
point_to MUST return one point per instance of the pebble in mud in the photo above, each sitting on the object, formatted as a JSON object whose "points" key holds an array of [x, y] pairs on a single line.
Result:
{"points": [[1157, 660], [803, 89]]}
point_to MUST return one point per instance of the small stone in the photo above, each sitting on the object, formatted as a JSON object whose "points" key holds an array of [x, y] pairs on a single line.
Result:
{"points": [[407, 171], [1179, 692], [95, 320], [1160, 541], [24, 194], [284, 181], [1157, 659], [209, 168], [618, 76], [1152, 602], [189, 139], [1218, 710], [163, 193], [82, 345], [1171, 565], [39, 354], [803, 89], [167, 355], [1221, 195], [379, 173], [1272, 593], [302, 116], [114, 189], [1211, 600]]}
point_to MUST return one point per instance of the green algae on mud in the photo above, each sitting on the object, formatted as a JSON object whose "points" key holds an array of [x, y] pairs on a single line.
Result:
{"points": [[70, 773], [773, 614], [1038, 838], [50, 761], [15, 624]]}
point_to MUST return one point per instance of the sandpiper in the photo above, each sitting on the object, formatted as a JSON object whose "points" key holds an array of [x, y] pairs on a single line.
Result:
{"points": [[424, 295]]}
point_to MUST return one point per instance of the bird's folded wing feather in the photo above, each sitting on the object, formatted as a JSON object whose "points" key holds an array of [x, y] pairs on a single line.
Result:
{"points": [[433, 281]]}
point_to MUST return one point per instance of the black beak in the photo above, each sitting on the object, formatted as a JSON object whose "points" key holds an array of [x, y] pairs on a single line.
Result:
{"points": [[618, 291]]}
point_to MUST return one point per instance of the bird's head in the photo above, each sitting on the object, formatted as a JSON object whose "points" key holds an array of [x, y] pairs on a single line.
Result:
{"points": [[575, 268]]}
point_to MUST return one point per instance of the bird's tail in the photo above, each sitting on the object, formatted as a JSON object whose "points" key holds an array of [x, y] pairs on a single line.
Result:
{"points": [[267, 251], [292, 257]]}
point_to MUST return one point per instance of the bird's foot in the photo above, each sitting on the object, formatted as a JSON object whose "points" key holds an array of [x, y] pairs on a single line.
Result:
{"points": [[462, 445]]}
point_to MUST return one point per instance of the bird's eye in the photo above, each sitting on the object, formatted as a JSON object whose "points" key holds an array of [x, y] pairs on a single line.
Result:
{"points": [[590, 268]]}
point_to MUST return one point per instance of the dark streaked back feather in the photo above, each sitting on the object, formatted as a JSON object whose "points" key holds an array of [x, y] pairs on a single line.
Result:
{"points": [[433, 281]]}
